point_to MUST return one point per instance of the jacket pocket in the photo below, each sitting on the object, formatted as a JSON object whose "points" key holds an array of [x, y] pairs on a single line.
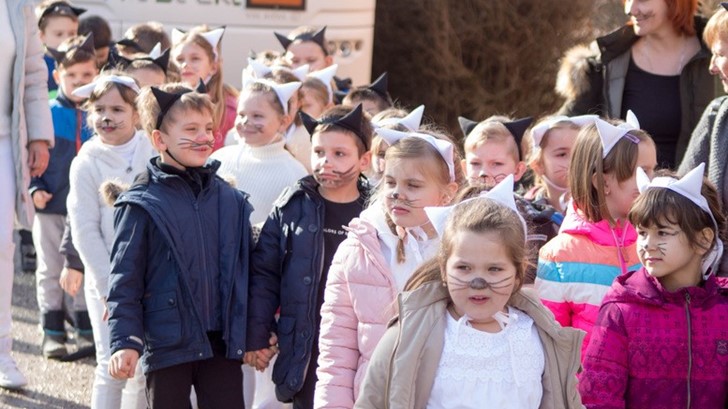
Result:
{"points": [[286, 336], [162, 324]]}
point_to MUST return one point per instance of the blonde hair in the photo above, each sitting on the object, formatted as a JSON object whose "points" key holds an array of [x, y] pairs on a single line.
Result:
{"points": [[587, 163], [717, 27], [492, 130], [127, 94], [477, 216], [535, 155], [149, 109]]}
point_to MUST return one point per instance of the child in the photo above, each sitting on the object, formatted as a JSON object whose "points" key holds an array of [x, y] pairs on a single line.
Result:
{"points": [[291, 260], [57, 22], [260, 164], [551, 142], [660, 340], [76, 66], [197, 54], [147, 69], [384, 247], [101, 31], [392, 118], [306, 46], [317, 94], [118, 152], [179, 262], [374, 97], [468, 335], [596, 242]]}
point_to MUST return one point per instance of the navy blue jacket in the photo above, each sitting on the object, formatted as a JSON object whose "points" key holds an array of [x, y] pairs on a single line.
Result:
{"points": [[285, 270], [70, 130], [167, 284]]}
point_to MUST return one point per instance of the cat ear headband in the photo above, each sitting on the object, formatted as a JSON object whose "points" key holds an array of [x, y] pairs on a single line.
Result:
{"points": [[88, 89], [61, 8], [87, 45], [167, 99], [212, 37], [412, 121], [466, 125], [689, 186], [317, 37], [128, 42], [158, 58], [444, 148], [610, 134], [326, 75], [538, 131], [351, 122], [502, 193], [284, 92], [379, 87], [260, 70], [517, 128]]}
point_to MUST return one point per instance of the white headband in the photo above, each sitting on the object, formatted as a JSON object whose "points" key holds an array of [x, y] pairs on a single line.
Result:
{"points": [[501, 193], [260, 70], [326, 75], [412, 121], [690, 187], [88, 89], [538, 131], [284, 92], [212, 37], [445, 148], [610, 134]]}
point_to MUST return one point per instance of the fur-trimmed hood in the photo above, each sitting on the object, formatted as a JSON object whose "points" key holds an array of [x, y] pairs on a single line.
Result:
{"points": [[572, 79]]}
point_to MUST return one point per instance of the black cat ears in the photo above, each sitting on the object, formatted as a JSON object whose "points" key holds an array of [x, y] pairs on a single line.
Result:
{"points": [[517, 128], [317, 37], [167, 99], [160, 59], [61, 8], [351, 122], [86, 45]]}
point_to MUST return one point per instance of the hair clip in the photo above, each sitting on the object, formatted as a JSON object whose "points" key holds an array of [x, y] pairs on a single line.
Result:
{"points": [[326, 75], [443, 147], [88, 89], [351, 122], [412, 121], [167, 99], [317, 37], [61, 8], [538, 131]]}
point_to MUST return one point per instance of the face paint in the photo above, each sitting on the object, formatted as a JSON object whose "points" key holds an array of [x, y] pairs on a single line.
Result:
{"points": [[186, 143], [396, 199], [479, 283], [339, 178]]}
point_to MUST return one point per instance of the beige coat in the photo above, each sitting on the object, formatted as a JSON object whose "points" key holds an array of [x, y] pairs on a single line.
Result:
{"points": [[31, 116], [402, 370]]}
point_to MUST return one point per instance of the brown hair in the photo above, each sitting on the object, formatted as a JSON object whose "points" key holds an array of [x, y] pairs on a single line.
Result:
{"points": [[149, 109], [144, 64], [147, 35], [586, 161], [45, 4], [493, 130], [363, 93], [100, 29], [536, 155], [317, 88], [338, 112], [659, 206], [681, 14], [127, 94], [270, 94], [393, 112], [74, 53], [717, 27], [477, 216]]}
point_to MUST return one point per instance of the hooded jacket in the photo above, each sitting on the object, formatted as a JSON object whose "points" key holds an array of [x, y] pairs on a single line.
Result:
{"points": [[592, 80], [403, 368], [659, 349], [576, 268]]}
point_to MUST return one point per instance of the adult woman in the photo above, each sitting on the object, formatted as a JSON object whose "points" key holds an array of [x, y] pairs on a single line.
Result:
{"points": [[709, 142], [655, 65], [25, 135]]}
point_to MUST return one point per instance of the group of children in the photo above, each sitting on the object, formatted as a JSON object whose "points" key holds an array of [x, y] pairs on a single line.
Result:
{"points": [[334, 237]]}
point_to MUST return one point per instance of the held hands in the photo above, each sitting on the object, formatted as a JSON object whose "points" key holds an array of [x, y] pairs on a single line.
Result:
{"points": [[71, 281], [123, 364], [41, 198], [261, 358], [38, 157]]}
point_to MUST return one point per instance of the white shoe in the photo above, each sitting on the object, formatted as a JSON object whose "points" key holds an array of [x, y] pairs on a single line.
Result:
{"points": [[10, 375]]}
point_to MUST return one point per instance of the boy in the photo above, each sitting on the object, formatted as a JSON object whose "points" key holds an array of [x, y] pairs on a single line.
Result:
{"points": [[76, 66], [57, 22], [291, 260], [101, 31], [492, 152], [179, 263], [374, 97]]}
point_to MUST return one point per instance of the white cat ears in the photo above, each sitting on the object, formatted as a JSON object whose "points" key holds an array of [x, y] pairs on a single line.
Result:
{"points": [[538, 131], [690, 187], [260, 70], [88, 89], [445, 148], [611, 134], [502, 193], [284, 92], [213, 38], [412, 121], [326, 75]]}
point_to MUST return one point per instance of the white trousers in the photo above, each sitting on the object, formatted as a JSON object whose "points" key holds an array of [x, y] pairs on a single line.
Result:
{"points": [[7, 247]]}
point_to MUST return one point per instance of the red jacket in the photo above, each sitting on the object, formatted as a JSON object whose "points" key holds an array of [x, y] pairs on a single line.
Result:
{"points": [[651, 348]]}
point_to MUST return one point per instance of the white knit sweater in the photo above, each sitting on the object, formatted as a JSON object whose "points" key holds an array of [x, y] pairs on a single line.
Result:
{"points": [[262, 172], [92, 220]]}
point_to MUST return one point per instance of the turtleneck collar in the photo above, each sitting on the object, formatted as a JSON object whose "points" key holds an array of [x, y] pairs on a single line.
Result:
{"points": [[266, 151]]}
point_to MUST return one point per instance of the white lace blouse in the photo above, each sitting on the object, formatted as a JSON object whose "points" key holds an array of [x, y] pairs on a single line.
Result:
{"points": [[484, 370]]}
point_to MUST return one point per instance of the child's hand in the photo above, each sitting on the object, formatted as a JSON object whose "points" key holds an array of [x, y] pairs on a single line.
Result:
{"points": [[71, 281], [123, 364], [263, 356], [41, 198]]}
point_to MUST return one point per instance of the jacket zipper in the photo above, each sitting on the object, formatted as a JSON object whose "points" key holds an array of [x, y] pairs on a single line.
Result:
{"points": [[690, 344], [319, 223], [79, 125], [205, 276]]}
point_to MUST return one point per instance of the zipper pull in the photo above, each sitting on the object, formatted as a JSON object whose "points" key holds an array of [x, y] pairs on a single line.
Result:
{"points": [[687, 297]]}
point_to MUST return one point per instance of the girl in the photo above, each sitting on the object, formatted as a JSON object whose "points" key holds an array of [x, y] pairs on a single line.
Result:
{"points": [[467, 335], [596, 243], [392, 118], [550, 151], [384, 247], [260, 164], [317, 94], [197, 54], [682, 360], [118, 151]]}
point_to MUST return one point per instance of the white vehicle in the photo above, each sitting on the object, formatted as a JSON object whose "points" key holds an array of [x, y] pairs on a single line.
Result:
{"points": [[250, 25]]}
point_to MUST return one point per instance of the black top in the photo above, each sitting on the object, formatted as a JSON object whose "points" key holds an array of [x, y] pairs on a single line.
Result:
{"points": [[655, 99]]}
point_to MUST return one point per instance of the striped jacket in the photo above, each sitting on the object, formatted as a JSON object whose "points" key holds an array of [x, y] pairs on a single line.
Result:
{"points": [[577, 267]]}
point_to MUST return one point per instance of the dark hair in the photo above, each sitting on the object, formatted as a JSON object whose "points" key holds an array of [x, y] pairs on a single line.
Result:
{"points": [[100, 29], [43, 15], [75, 54], [147, 35], [338, 112], [363, 93]]}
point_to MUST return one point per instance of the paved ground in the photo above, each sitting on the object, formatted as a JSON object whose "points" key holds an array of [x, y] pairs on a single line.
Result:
{"points": [[51, 384]]}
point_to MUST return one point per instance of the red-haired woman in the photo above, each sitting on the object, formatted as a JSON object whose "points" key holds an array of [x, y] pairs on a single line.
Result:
{"points": [[656, 65]]}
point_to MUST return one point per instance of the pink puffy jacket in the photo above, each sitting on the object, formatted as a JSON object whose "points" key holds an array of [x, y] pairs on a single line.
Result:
{"points": [[360, 300]]}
